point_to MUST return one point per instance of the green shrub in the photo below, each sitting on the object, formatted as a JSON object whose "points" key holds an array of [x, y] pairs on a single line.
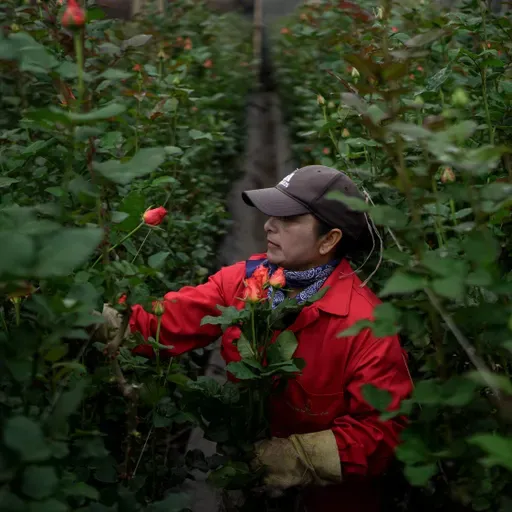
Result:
{"points": [[97, 126], [414, 103]]}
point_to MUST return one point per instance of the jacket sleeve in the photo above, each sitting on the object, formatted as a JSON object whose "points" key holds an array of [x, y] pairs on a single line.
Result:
{"points": [[181, 328], [365, 443]]}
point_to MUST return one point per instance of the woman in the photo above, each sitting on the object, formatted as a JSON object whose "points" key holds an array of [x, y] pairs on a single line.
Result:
{"points": [[327, 441]]}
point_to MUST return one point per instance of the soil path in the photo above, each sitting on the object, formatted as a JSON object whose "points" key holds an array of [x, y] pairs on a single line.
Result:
{"points": [[267, 159]]}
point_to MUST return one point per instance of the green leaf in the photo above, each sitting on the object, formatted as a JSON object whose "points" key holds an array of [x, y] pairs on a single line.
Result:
{"points": [[354, 203], [401, 282], [112, 110], [501, 382], [283, 348], [359, 142], [9, 502], [385, 323], [173, 151], [39, 482], [378, 398], [17, 253], [174, 502], [33, 56], [458, 391], [118, 217], [420, 475], [233, 475], [81, 489], [24, 436], [385, 215], [51, 505], [410, 131], [230, 315], [427, 392], [115, 74], [481, 247], [66, 250], [67, 404], [451, 287], [435, 81], [355, 328], [144, 162], [241, 371], [498, 449], [158, 259], [136, 41], [7, 182], [179, 379], [442, 265], [106, 471], [492, 63], [198, 135], [244, 348]]}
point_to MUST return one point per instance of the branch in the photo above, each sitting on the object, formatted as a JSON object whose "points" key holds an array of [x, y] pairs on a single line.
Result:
{"points": [[463, 342]]}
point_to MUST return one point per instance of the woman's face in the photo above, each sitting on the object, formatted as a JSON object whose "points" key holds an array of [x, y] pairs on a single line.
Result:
{"points": [[293, 242]]}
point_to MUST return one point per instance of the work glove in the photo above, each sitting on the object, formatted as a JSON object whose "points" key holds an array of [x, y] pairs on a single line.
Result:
{"points": [[298, 461], [107, 330]]}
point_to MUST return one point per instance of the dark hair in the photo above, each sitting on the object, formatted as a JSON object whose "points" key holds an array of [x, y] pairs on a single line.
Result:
{"points": [[343, 248], [347, 247]]}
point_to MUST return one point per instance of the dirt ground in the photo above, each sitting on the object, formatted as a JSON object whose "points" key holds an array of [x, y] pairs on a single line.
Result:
{"points": [[266, 161]]}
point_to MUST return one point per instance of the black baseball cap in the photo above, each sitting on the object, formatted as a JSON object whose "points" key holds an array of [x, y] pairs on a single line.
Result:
{"points": [[305, 191]]}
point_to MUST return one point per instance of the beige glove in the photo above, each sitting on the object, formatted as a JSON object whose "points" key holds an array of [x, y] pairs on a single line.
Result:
{"points": [[299, 460], [107, 330]]}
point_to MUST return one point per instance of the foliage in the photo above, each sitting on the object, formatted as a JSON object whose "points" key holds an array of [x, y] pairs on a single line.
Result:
{"points": [[414, 102], [98, 124]]}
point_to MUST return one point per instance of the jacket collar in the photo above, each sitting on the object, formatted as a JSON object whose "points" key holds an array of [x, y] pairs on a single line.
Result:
{"points": [[336, 301]]}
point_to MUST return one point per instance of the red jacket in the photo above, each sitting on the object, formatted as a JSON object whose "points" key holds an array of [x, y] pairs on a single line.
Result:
{"points": [[327, 394]]}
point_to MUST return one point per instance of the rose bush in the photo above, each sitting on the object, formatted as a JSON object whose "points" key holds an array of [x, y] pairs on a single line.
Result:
{"points": [[117, 144], [413, 101]]}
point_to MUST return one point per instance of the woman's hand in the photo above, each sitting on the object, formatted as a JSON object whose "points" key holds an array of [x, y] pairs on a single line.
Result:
{"points": [[298, 461]]}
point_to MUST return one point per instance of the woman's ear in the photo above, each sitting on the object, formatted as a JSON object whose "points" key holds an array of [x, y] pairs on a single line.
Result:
{"points": [[330, 241]]}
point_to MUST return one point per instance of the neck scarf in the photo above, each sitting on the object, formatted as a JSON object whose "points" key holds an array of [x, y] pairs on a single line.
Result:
{"points": [[308, 281]]}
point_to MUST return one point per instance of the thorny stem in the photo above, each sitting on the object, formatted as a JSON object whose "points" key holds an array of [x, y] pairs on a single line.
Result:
{"points": [[253, 330], [4, 323], [157, 349], [62, 383], [141, 245], [79, 52], [134, 230], [463, 342], [483, 74], [17, 310], [452, 208], [437, 222]]}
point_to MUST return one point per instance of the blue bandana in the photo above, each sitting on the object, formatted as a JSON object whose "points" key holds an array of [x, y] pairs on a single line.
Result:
{"points": [[308, 281]]}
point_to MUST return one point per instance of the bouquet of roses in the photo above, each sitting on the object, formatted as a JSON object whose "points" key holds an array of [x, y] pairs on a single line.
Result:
{"points": [[237, 414]]}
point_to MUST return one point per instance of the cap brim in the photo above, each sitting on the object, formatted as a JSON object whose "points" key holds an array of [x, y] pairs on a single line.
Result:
{"points": [[273, 202]]}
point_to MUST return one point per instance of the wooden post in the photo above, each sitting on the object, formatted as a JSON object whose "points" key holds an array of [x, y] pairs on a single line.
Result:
{"points": [[136, 7], [257, 33]]}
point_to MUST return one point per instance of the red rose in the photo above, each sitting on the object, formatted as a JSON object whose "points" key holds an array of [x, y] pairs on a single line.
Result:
{"points": [[155, 216], [254, 292], [278, 279], [74, 15], [261, 275]]}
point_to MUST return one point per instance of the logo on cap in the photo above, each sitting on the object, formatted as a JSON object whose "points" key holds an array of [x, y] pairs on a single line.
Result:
{"points": [[285, 182]]}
